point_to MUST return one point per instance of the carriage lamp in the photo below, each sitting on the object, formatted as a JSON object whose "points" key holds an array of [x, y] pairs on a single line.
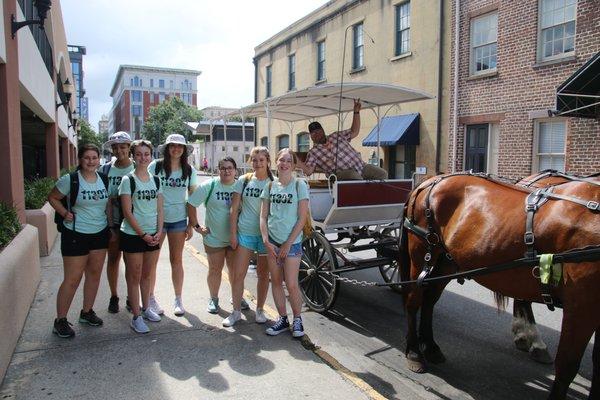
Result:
{"points": [[42, 6], [68, 90]]}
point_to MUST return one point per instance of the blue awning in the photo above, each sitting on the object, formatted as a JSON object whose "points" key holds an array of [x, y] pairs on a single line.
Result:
{"points": [[399, 129]]}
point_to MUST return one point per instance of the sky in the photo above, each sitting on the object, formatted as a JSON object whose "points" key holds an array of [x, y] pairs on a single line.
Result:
{"points": [[215, 37]]}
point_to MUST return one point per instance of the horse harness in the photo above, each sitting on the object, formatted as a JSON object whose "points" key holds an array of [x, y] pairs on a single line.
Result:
{"points": [[533, 202]]}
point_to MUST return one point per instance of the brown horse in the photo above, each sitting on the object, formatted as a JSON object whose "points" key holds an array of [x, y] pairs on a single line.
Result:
{"points": [[526, 335], [464, 222]]}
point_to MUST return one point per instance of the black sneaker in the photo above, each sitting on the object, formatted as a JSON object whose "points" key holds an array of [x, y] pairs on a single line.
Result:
{"points": [[113, 305], [281, 325], [62, 328], [90, 318]]}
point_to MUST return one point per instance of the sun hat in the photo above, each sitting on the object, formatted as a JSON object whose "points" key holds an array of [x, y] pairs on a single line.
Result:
{"points": [[117, 138], [176, 138]]}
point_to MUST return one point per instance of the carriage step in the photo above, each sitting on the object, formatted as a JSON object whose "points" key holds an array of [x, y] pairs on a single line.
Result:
{"points": [[374, 245]]}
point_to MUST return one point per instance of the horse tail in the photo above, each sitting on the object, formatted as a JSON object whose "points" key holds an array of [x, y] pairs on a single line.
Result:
{"points": [[501, 301]]}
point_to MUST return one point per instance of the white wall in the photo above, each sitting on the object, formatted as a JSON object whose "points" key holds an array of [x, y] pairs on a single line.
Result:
{"points": [[2, 42]]}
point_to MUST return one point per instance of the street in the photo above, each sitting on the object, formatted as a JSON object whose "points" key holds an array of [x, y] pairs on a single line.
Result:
{"points": [[365, 330]]}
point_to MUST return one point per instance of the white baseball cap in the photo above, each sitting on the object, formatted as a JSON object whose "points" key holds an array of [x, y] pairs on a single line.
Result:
{"points": [[176, 138]]}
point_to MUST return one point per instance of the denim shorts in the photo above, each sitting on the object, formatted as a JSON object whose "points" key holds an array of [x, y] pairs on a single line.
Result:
{"points": [[179, 226], [295, 250], [252, 242]]}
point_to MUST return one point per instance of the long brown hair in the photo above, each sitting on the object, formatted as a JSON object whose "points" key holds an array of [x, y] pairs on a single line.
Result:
{"points": [[186, 169]]}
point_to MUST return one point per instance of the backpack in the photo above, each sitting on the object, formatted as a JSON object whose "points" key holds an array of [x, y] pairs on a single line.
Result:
{"points": [[73, 192], [132, 189], [307, 229], [186, 171], [106, 168], [212, 186]]}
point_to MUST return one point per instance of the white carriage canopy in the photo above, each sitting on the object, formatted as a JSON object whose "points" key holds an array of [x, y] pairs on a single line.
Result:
{"points": [[579, 96]]}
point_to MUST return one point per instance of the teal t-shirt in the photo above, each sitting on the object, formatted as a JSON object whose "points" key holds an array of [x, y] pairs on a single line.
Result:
{"points": [[145, 204], [249, 219], [115, 174], [217, 210], [90, 205], [283, 208], [175, 192]]}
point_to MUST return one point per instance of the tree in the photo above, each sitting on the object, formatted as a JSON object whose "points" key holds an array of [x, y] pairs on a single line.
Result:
{"points": [[170, 117], [87, 134]]}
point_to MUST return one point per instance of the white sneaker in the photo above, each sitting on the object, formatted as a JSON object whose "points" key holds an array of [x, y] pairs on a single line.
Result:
{"points": [[260, 317], [153, 304], [150, 315], [243, 304], [178, 308], [234, 317], [138, 325]]}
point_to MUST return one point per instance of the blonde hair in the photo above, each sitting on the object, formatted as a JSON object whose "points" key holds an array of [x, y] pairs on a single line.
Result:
{"points": [[290, 152], [265, 152]]}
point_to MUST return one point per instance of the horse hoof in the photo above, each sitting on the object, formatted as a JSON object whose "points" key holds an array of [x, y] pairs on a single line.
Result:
{"points": [[416, 366], [541, 355], [522, 344]]}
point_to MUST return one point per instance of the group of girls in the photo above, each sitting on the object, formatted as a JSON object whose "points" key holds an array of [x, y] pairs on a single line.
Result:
{"points": [[146, 201]]}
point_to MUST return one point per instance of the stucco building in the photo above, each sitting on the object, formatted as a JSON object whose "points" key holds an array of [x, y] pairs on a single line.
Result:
{"points": [[508, 59], [137, 88], [401, 42]]}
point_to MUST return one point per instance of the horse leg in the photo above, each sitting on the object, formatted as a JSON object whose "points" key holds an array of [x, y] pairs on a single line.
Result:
{"points": [[431, 351], [574, 337], [414, 358], [595, 390], [526, 335]]}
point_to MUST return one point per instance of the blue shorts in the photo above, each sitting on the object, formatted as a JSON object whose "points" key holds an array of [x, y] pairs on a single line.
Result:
{"points": [[252, 242], [295, 250], [179, 226]]}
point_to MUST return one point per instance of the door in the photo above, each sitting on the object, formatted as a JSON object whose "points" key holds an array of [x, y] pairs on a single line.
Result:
{"points": [[476, 148]]}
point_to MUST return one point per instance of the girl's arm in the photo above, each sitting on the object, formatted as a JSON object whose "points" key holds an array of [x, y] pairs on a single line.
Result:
{"points": [[160, 219], [128, 215], [233, 219], [264, 230], [54, 198], [302, 215]]}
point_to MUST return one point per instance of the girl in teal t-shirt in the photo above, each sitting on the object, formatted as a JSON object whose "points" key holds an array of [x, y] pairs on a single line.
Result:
{"points": [[84, 238], [178, 179], [283, 213], [141, 232], [245, 235], [216, 195]]}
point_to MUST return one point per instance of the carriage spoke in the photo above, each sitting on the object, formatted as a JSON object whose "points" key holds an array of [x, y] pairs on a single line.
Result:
{"points": [[323, 279], [301, 281], [319, 260]]}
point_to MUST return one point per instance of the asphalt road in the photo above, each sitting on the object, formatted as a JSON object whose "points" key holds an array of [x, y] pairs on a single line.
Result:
{"points": [[365, 331]]}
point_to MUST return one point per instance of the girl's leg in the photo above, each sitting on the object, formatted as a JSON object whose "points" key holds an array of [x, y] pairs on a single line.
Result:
{"points": [[291, 267], [277, 286], [262, 286], [93, 272], [148, 263], [112, 264], [153, 273], [133, 272], [240, 267], [215, 267], [176, 243], [73, 272]]}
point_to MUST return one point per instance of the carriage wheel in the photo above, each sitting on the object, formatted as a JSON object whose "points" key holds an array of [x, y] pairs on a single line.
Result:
{"points": [[391, 272], [318, 288]]}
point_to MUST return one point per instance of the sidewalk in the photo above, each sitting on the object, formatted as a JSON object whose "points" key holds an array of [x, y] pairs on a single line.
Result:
{"points": [[189, 357]]}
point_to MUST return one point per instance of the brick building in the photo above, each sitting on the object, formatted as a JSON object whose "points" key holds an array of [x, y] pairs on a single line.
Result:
{"points": [[137, 88], [507, 61]]}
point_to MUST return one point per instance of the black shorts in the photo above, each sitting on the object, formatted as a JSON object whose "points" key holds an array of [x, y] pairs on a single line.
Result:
{"points": [[134, 244], [73, 244]]}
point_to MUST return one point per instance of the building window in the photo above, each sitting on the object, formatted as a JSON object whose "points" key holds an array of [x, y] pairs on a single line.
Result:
{"points": [[321, 61], [136, 110], [269, 77], [161, 83], [161, 97], [549, 142], [484, 46], [303, 142], [170, 84], [557, 28], [136, 95], [264, 141], [235, 148], [402, 28], [187, 98], [283, 142], [136, 81], [358, 54], [151, 82], [292, 72], [222, 148], [476, 147]]}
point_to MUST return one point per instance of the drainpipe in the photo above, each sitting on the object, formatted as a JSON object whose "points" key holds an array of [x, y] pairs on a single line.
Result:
{"points": [[255, 62], [455, 83], [439, 91]]}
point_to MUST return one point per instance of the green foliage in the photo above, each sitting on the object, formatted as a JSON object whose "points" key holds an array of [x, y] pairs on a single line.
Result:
{"points": [[87, 135], [65, 171], [9, 224], [170, 117], [37, 191]]}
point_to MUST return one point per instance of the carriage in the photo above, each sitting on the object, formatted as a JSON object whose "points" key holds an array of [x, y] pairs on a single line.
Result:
{"points": [[344, 212]]}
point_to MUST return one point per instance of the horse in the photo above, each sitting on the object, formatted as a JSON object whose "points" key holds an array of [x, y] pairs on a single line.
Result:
{"points": [[525, 333], [466, 222]]}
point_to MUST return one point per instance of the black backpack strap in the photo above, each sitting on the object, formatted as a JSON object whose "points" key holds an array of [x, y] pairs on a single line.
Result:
{"points": [[158, 167], [104, 178], [73, 189], [106, 168], [131, 183], [156, 181]]}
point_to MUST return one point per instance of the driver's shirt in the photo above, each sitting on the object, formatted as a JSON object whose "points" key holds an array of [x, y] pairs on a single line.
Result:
{"points": [[324, 155]]}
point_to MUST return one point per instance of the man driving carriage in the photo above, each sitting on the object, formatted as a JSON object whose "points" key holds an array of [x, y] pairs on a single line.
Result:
{"points": [[347, 165]]}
